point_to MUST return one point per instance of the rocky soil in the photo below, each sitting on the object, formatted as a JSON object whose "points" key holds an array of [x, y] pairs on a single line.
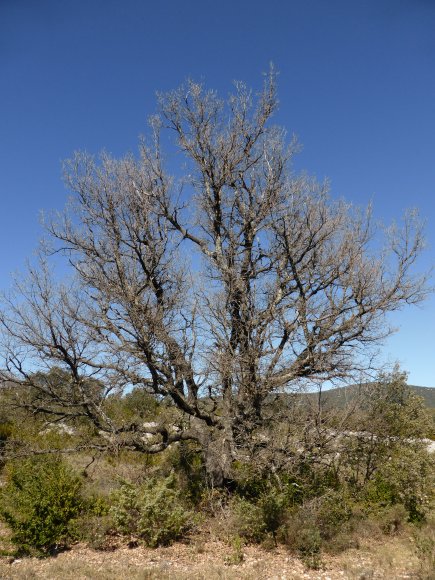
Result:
{"points": [[215, 560]]}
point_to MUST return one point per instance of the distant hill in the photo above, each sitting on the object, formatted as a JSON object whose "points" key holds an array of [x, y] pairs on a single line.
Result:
{"points": [[427, 393], [340, 396]]}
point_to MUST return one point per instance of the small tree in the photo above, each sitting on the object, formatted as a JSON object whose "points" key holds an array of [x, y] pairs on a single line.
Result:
{"points": [[216, 291], [392, 411], [38, 501], [392, 422]]}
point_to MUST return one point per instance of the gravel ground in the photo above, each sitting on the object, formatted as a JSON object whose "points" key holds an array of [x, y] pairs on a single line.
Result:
{"points": [[212, 561]]}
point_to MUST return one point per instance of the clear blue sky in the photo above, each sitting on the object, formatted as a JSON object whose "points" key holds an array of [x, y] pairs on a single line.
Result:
{"points": [[356, 84]]}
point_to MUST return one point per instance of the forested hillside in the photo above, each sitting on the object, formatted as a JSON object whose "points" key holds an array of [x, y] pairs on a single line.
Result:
{"points": [[343, 395]]}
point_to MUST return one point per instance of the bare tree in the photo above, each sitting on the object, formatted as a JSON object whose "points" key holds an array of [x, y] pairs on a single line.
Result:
{"points": [[216, 291]]}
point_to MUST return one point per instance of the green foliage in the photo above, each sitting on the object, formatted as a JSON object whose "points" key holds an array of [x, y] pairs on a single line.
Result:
{"points": [[153, 511], [236, 557], [6, 430], [431, 431], [133, 406], [332, 512], [407, 478], [274, 503], [273, 492], [187, 461], [97, 505], [246, 520], [377, 474], [259, 518], [391, 519], [322, 523], [392, 409], [382, 459], [308, 544], [38, 502], [93, 530], [303, 537], [249, 481], [94, 524], [314, 478], [424, 542]]}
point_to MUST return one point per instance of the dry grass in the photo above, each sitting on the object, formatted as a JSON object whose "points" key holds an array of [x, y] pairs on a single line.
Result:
{"points": [[103, 474], [390, 559], [181, 561]]}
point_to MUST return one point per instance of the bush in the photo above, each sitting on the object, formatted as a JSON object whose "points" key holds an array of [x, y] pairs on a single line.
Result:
{"points": [[332, 513], [189, 466], [325, 522], [424, 541], [237, 556], [246, 520], [302, 536], [392, 519], [308, 544], [274, 503], [407, 478], [94, 530], [5, 431], [258, 520], [248, 480], [94, 524], [38, 502], [153, 512]]}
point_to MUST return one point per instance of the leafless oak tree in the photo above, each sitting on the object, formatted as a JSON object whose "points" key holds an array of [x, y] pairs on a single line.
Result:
{"points": [[215, 291]]}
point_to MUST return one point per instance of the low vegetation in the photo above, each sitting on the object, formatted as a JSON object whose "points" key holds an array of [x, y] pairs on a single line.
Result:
{"points": [[40, 498], [377, 481]]}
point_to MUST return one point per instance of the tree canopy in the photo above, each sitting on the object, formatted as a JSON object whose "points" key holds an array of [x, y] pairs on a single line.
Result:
{"points": [[216, 290]]}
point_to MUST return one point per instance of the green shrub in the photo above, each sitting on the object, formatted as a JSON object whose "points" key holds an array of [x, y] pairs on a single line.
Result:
{"points": [[250, 482], [424, 542], [153, 511], [393, 410], [5, 431], [308, 544], [325, 522], [258, 519], [237, 556], [187, 462], [302, 536], [274, 503], [392, 518], [94, 530], [38, 502], [94, 524], [246, 520], [332, 512], [407, 478]]}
